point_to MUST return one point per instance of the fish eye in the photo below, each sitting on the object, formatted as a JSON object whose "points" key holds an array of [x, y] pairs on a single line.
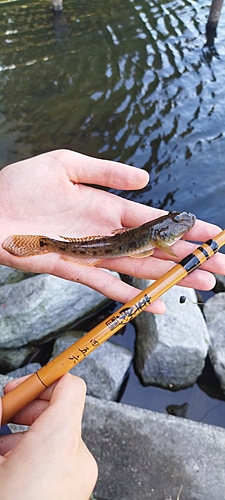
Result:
{"points": [[180, 216]]}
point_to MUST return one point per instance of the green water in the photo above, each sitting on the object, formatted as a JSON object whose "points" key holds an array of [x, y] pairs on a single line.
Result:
{"points": [[129, 81]]}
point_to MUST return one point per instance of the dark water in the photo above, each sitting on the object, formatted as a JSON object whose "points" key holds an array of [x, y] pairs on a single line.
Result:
{"points": [[131, 81]]}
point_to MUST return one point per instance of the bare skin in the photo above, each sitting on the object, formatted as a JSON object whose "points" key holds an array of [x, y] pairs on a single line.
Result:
{"points": [[51, 459], [46, 195]]}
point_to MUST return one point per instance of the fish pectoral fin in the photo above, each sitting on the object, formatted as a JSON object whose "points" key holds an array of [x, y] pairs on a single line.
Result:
{"points": [[164, 247], [84, 262], [141, 255]]}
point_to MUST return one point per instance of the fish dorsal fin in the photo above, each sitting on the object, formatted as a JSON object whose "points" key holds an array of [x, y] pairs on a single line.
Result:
{"points": [[81, 240], [121, 230], [164, 247]]}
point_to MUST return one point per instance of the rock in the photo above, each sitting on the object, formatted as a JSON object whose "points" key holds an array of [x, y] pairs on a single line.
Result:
{"points": [[171, 348], [144, 455], [215, 319], [10, 359], [10, 275], [36, 307], [104, 370], [25, 370], [220, 283], [4, 379]]}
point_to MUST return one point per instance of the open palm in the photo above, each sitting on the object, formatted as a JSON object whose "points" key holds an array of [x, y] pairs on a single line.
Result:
{"points": [[51, 194]]}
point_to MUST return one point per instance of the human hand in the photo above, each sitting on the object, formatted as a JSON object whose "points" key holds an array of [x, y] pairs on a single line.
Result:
{"points": [[50, 195], [50, 460]]}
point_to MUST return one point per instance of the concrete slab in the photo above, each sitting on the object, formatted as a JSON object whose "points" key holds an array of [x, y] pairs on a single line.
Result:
{"points": [[145, 455]]}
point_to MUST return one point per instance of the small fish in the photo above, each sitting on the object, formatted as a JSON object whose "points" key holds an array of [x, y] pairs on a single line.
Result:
{"points": [[88, 251]]}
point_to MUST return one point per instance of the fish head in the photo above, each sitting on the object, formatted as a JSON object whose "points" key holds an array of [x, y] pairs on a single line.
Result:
{"points": [[174, 226]]}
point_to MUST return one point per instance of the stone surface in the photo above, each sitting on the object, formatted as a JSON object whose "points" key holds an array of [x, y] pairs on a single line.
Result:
{"points": [[36, 307], [214, 311], [104, 370], [10, 275], [10, 359], [171, 348], [24, 370], [4, 379], [144, 455], [220, 283]]}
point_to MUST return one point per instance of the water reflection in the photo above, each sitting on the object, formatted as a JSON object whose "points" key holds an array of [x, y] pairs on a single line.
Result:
{"points": [[128, 81]]}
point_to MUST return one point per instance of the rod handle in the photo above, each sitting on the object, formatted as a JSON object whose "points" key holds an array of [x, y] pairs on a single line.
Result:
{"points": [[23, 394]]}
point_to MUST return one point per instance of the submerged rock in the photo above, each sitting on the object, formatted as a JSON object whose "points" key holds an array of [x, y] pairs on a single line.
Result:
{"points": [[104, 370], [171, 348], [36, 307], [214, 311]]}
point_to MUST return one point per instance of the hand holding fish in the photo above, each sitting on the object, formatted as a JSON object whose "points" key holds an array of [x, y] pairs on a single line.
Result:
{"points": [[51, 195]]}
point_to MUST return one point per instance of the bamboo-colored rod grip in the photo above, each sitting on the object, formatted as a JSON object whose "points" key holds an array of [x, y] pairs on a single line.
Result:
{"points": [[20, 396]]}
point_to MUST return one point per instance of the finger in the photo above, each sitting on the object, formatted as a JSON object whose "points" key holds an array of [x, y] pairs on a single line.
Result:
{"points": [[201, 280], [65, 409], [182, 248], [46, 394], [103, 282], [202, 231], [29, 414], [8, 442], [134, 214], [85, 169]]}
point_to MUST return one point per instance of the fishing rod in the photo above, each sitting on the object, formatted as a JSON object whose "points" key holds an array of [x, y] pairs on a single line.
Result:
{"points": [[34, 385]]}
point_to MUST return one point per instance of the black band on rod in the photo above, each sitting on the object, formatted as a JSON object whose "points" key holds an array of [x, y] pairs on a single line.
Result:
{"points": [[192, 261], [213, 245]]}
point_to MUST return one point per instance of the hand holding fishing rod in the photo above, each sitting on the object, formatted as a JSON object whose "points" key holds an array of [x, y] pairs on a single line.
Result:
{"points": [[33, 386]]}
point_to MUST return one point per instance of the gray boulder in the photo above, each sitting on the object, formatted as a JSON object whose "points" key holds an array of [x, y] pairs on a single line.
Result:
{"points": [[171, 348], [24, 370], [104, 370], [10, 359], [214, 311], [10, 275], [36, 307], [220, 283]]}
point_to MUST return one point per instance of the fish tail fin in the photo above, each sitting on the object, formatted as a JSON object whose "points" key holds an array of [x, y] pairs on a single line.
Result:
{"points": [[25, 245]]}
